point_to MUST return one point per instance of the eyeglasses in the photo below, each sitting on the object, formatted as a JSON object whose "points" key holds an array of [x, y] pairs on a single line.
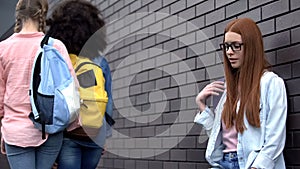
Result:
{"points": [[235, 46]]}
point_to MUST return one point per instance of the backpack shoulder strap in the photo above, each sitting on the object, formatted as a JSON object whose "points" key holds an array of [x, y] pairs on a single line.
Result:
{"points": [[47, 40]]}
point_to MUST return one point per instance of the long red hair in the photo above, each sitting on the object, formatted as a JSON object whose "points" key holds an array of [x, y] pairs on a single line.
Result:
{"points": [[243, 84]]}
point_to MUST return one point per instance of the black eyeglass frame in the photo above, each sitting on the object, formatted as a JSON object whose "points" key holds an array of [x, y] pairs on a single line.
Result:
{"points": [[235, 46]]}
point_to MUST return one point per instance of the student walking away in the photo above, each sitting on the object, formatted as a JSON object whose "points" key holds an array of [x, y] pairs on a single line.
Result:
{"points": [[78, 24], [248, 128], [22, 142]]}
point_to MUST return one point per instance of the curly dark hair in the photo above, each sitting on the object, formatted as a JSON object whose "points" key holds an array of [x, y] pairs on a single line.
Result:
{"points": [[78, 24]]}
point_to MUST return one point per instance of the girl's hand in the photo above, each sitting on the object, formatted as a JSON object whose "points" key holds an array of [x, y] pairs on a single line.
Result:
{"points": [[104, 149], [213, 88], [54, 166], [2, 146], [3, 151]]}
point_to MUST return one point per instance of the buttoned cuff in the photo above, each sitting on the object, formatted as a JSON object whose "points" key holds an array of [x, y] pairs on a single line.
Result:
{"points": [[205, 118]]}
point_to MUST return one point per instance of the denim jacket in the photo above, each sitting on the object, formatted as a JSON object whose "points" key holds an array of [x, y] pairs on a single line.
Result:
{"points": [[105, 130], [257, 147]]}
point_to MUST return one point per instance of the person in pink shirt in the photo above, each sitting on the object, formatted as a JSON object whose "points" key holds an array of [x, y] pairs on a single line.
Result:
{"points": [[21, 141]]}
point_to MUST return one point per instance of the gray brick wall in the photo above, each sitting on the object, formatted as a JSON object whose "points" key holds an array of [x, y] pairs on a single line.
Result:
{"points": [[162, 52]]}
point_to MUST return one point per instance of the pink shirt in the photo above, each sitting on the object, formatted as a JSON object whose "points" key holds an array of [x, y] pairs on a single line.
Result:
{"points": [[229, 138], [16, 57]]}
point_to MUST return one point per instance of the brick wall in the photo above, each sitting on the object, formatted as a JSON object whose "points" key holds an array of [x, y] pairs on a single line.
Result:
{"points": [[162, 52]]}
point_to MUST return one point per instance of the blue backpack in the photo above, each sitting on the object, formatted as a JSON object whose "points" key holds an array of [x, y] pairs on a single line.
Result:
{"points": [[54, 97]]}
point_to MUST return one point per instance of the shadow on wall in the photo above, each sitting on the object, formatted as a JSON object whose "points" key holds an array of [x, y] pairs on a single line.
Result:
{"points": [[7, 9], [9, 32]]}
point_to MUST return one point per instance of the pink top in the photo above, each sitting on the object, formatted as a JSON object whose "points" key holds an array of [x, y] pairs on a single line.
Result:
{"points": [[17, 54], [229, 138]]}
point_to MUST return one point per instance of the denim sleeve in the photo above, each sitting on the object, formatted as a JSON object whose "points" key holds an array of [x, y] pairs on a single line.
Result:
{"points": [[108, 84], [275, 128], [108, 87], [109, 111], [102, 62], [206, 119]]}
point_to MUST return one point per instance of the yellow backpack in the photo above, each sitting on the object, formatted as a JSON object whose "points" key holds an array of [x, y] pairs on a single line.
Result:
{"points": [[92, 92]]}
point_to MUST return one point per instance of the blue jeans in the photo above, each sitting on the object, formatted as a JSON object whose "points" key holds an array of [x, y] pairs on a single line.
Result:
{"points": [[41, 157], [230, 161], [76, 154]]}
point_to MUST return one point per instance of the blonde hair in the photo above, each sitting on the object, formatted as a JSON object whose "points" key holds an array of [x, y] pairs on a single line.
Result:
{"points": [[31, 9]]}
